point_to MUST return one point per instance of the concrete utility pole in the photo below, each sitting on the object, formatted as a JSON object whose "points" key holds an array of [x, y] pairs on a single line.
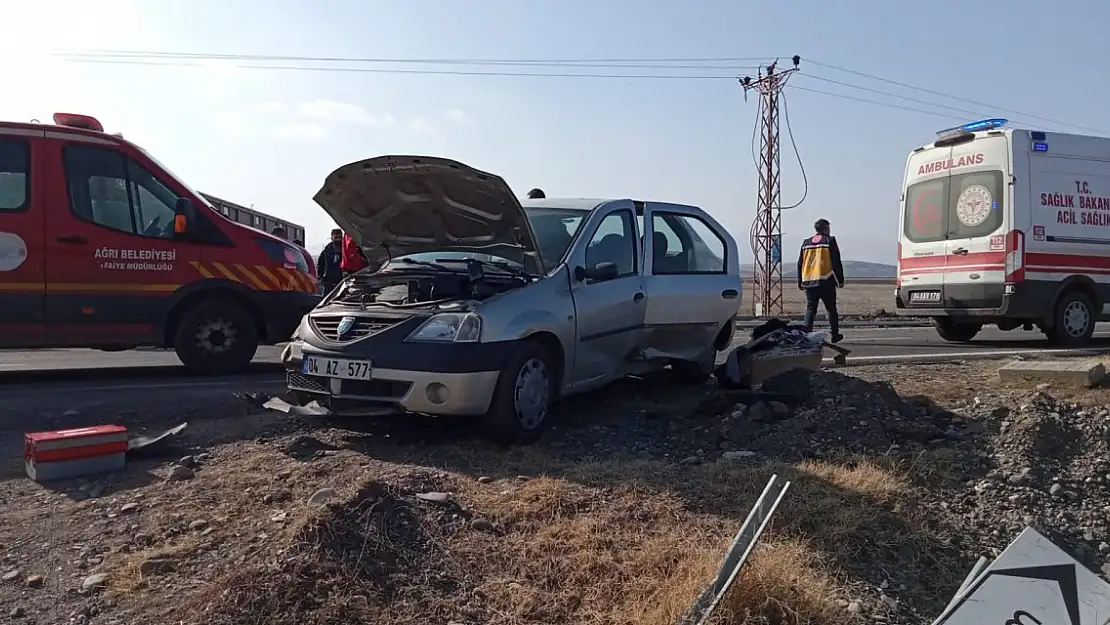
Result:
{"points": [[767, 230]]}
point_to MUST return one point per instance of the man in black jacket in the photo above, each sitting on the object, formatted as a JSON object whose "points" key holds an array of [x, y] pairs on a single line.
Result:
{"points": [[327, 266]]}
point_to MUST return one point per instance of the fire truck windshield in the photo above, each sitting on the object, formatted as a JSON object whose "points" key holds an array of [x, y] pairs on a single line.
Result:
{"points": [[180, 181]]}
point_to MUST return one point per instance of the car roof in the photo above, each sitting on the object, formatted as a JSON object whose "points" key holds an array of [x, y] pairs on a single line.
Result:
{"points": [[563, 203], [588, 204]]}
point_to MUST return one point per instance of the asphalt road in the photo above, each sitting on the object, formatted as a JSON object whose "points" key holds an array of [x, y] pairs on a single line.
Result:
{"points": [[162, 396], [868, 345]]}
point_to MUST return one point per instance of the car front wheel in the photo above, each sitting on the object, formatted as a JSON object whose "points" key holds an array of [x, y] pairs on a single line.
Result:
{"points": [[521, 405]]}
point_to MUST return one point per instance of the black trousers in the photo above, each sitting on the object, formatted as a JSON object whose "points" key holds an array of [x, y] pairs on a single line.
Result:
{"points": [[824, 292]]}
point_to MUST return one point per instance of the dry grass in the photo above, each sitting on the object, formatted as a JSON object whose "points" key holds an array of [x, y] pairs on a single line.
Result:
{"points": [[863, 298], [621, 543]]}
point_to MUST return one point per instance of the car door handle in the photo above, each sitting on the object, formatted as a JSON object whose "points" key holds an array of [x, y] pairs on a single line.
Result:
{"points": [[639, 297], [730, 293], [960, 250], [73, 240]]}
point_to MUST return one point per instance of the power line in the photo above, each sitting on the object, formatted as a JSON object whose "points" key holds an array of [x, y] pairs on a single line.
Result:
{"points": [[952, 97], [889, 94], [183, 59], [433, 61], [394, 70], [889, 105]]}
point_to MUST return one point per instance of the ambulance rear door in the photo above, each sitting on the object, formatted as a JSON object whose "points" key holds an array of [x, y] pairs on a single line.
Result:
{"points": [[978, 218], [923, 249]]}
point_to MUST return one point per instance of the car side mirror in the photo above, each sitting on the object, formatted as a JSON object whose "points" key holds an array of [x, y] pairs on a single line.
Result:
{"points": [[183, 217], [599, 273]]}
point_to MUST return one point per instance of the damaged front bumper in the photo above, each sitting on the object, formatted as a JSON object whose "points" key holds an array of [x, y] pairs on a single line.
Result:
{"points": [[390, 389]]}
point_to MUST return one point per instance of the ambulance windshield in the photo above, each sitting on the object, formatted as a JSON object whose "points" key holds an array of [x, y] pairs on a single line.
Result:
{"points": [[961, 206]]}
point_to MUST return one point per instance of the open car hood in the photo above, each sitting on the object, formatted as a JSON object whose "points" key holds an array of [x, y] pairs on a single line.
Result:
{"points": [[397, 205]]}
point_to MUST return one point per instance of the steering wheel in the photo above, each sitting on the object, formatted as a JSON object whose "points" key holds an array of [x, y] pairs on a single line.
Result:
{"points": [[153, 228]]}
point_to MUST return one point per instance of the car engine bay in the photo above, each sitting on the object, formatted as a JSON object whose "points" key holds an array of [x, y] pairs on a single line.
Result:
{"points": [[418, 286]]}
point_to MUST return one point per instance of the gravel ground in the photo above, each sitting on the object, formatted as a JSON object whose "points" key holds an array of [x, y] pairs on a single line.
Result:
{"points": [[904, 476]]}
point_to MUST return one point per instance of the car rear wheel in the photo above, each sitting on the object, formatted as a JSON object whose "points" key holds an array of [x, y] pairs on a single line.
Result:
{"points": [[956, 332], [1073, 320], [521, 405], [216, 337]]}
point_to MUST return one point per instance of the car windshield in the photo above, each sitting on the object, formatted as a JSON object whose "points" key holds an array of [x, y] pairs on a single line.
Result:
{"points": [[431, 257], [554, 228]]}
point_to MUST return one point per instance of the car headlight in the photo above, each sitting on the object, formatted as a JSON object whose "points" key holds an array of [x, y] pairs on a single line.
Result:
{"points": [[449, 328]]}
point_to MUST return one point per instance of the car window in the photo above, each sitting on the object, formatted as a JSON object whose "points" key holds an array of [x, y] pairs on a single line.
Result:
{"points": [[614, 241], [554, 229], [15, 165], [684, 244], [111, 190]]}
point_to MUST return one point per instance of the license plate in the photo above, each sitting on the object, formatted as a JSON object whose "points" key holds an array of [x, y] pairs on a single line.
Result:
{"points": [[336, 368], [925, 296]]}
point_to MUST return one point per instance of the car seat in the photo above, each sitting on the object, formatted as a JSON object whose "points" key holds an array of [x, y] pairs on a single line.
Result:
{"points": [[659, 261]]}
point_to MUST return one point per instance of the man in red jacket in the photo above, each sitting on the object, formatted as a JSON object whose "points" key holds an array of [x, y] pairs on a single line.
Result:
{"points": [[352, 258]]}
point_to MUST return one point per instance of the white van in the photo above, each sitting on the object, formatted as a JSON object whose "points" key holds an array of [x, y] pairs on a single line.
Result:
{"points": [[1008, 227]]}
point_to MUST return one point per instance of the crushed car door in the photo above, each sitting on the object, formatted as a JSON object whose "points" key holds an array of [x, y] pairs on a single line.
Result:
{"points": [[609, 308], [691, 290]]}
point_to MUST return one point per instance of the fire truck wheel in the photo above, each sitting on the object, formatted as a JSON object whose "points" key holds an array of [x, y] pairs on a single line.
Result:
{"points": [[216, 337], [1073, 320], [950, 330]]}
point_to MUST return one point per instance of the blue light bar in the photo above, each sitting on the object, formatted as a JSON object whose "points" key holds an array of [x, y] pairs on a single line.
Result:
{"points": [[983, 124]]}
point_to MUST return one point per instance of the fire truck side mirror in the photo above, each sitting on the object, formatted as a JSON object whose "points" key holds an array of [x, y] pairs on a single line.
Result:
{"points": [[184, 214]]}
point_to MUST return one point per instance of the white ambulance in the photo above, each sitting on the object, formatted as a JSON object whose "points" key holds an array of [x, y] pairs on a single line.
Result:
{"points": [[1007, 227]]}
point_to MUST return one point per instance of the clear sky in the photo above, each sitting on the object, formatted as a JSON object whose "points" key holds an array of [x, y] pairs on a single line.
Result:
{"points": [[268, 137]]}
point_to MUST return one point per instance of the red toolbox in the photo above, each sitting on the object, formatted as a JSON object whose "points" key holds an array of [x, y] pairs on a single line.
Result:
{"points": [[65, 454]]}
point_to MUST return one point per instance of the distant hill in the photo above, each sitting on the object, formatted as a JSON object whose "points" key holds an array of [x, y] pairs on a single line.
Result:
{"points": [[852, 269]]}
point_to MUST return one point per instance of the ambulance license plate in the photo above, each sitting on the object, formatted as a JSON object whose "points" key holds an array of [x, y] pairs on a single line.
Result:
{"points": [[336, 368], [925, 296]]}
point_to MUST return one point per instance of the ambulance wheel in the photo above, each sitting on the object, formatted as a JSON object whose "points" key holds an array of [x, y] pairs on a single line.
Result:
{"points": [[1073, 320], [216, 337], [956, 332]]}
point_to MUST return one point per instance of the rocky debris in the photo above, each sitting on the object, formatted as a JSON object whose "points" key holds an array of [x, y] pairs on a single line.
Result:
{"points": [[434, 497], [35, 581], [157, 566], [321, 496], [179, 473], [483, 525], [94, 583]]}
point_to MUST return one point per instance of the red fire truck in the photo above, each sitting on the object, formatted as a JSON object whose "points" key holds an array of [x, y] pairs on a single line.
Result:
{"points": [[103, 247]]}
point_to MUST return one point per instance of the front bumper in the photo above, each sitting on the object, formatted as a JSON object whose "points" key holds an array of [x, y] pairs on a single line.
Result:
{"points": [[441, 393]]}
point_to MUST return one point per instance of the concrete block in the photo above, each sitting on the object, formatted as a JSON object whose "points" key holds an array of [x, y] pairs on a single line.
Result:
{"points": [[1071, 372]]}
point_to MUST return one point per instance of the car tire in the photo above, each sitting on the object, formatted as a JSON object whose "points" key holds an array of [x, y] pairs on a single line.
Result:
{"points": [[1073, 320], [956, 332], [520, 409], [216, 338]]}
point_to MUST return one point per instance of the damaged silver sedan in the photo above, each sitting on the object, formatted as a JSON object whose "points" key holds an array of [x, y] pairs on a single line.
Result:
{"points": [[479, 304]]}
